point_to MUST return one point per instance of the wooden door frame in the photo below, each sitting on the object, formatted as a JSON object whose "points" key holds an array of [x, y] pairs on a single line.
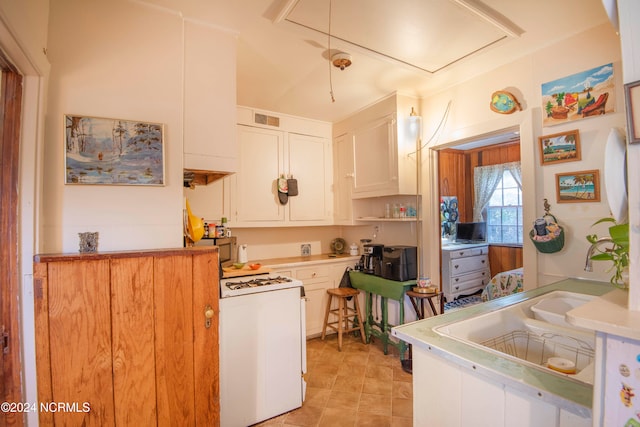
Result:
{"points": [[10, 115]]}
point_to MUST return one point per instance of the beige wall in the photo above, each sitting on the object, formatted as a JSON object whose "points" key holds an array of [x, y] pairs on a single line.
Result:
{"points": [[118, 59], [470, 115]]}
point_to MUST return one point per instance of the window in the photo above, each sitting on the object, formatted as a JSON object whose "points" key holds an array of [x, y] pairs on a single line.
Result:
{"points": [[504, 212]]}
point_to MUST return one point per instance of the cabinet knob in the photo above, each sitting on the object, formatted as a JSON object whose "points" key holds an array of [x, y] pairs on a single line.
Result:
{"points": [[461, 253], [483, 261], [209, 312], [455, 266]]}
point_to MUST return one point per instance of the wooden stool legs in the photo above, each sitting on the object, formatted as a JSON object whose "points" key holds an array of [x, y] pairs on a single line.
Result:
{"points": [[344, 314]]}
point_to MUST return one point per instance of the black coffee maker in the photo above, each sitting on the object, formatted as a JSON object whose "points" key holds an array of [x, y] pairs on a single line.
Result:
{"points": [[371, 260]]}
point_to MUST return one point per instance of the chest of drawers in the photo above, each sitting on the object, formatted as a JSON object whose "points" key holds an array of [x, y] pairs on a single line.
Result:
{"points": [[465, 269]]}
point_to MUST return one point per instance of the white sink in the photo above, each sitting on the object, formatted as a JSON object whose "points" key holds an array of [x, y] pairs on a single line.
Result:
{"points": [[553, 307], [532, 332]]}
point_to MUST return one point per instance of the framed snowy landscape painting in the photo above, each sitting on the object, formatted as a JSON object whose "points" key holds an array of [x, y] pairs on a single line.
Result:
{"points": [[113, 151]]}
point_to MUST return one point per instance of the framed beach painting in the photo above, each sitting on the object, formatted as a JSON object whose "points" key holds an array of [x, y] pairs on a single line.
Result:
{"points": [[103, 151], [576, 187], [559, 147], [578, 96]]}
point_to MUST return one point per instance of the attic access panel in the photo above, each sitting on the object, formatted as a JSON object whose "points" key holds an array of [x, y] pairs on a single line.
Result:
{"points": [[425, 34]]}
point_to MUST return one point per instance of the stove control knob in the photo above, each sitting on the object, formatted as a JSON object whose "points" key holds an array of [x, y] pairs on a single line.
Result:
{"points": [[208, 315]]}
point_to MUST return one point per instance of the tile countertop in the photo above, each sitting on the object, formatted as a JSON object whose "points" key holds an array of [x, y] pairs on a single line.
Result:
{"points": [[608, 314], [574, 396], [298, 261]]}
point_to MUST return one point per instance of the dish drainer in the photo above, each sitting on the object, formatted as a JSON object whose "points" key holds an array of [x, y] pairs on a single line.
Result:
{"points": [[538, 348]]}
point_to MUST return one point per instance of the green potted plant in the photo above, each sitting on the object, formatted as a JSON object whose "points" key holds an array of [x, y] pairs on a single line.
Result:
{"points": [[618, 254]]}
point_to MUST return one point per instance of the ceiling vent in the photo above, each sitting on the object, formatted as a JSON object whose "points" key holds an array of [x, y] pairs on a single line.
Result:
{"points": [[263, 119]]}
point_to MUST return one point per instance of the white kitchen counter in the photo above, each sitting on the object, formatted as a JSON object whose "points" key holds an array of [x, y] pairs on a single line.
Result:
{"points": [[609, 314], [472, 362]]}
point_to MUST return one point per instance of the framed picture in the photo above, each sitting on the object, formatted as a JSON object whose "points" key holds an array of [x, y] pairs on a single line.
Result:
{"points": [[579, 96], [103, 151], [559, 147], [632, 103], [576, 187]]}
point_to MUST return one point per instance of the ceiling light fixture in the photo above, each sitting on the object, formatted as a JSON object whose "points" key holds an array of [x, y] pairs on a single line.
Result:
{"points": [[341, 60]]}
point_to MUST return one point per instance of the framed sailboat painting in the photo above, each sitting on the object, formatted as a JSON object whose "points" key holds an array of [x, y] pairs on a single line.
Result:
{"points": [[102, 151]]}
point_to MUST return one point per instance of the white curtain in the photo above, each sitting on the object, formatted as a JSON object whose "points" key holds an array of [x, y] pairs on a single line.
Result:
{"points": [[516, 171], [485, 181]]}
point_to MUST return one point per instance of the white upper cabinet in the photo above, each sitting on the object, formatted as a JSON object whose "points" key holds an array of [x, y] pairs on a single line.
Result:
{"points": [[261, 162], [384, 150], [298, 149], [375, 157], [209, 99], [310, 164], [343, 178]]}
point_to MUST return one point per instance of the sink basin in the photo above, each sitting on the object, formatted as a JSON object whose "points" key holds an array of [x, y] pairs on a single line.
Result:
{"points": [[533, 332], [554, 307]]}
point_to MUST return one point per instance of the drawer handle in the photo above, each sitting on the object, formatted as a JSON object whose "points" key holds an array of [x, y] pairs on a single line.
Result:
{"points": [[461, 253], [483, 261], [483, 273], [457, 287], [455, 266], [313, 274], [456, 279]]}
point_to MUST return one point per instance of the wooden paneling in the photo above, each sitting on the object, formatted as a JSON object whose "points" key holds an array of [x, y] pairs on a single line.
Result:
{"points": [[80, 341], [504, 258], [205, 346], [174, 330], [453, 178], [455, 168], [125, 331], [133, 341], [10, 362], [43, 355]]}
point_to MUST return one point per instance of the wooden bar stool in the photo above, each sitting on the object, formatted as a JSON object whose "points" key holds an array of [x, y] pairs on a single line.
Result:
{"points": [[344, 314]]}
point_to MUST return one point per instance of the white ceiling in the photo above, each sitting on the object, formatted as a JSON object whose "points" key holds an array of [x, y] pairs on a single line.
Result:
{"points": [[408, 46]]}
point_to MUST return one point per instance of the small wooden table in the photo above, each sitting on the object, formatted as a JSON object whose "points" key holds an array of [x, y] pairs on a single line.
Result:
{"points": [[420, 297], [414, 297]]}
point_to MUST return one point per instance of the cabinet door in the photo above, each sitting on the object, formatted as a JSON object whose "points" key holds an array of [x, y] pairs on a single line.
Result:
{"points": [[376, 159], [133, 340], [173, 303], [310, 163], [343, 179], [209, 98], [261, 163], [316, 282], [74, 341], [205, 339]]}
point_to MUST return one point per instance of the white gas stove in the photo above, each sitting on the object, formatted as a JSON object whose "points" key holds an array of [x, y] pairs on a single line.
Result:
{"points": [[244, 285], [262, 347]]}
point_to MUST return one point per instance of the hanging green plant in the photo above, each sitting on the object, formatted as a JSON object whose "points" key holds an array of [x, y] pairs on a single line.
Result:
{"points": [[618, 254]]}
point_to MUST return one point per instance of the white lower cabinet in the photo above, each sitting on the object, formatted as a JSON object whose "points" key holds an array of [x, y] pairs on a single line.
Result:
{"points": [[447, 395], [317, 279]]}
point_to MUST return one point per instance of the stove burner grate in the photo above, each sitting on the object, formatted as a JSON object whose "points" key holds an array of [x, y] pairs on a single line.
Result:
{"points": [[253, 283]]}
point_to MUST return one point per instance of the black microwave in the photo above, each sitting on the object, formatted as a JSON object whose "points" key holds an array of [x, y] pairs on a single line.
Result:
{"points": [[227, 248]]}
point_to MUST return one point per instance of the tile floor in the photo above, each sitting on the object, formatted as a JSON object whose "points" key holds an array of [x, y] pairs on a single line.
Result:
{"points": [[358, 386]]}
